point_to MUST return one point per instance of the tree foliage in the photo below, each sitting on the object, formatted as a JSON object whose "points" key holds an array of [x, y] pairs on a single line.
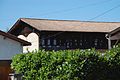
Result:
{"points": [[68, 65]]}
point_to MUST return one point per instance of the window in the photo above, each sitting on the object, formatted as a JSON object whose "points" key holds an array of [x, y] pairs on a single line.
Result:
{"points": [[48, 42], [54, 42], [96, 42], [43, 42]]}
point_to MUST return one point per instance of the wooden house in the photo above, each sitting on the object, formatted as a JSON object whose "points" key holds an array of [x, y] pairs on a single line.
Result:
{"points": [[64, 34]]}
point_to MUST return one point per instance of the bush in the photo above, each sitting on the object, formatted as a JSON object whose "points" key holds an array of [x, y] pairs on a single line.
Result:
{"points": [[68, 64]]}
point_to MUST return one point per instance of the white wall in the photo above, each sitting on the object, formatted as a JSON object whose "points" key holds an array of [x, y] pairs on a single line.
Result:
{"points": [[33, 38], [8, 48]]}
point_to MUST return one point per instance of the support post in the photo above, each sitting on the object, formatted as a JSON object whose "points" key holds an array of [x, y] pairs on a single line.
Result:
{"points": [[109, 41]]}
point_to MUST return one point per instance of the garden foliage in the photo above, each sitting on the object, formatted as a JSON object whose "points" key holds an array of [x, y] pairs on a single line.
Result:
{"points": [[68, 65]]}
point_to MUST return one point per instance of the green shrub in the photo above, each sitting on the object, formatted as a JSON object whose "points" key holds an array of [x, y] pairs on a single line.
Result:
{"points": [[68, 64]]}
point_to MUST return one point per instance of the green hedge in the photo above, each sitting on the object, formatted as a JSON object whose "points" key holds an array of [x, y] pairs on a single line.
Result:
{"points": [[68, 65]]}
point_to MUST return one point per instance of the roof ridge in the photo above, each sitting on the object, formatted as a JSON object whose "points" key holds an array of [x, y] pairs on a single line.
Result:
{"points": [[69, 20], [49, 19]]}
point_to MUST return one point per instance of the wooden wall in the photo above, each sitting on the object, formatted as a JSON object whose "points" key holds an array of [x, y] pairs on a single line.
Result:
{"points": [[72, 40]]}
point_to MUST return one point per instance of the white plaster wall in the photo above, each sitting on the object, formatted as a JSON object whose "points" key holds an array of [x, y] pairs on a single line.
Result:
{"points": [[25, 48], [9, 48], [33, 38]]}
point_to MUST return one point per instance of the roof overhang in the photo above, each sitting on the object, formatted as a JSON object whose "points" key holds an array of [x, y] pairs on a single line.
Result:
{"points": [[10, 36], [115, 34]]}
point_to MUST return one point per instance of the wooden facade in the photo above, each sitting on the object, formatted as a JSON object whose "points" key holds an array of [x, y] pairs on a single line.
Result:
{"points": [[72, 40], [59, 40], [63, 40]]}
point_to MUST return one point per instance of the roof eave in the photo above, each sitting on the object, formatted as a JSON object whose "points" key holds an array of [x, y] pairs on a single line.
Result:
{"points": [[14, 26], [25, 43], [114, 31]]}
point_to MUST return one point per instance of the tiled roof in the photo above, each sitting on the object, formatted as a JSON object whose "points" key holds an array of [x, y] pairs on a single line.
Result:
{"points": [[70, 25]]}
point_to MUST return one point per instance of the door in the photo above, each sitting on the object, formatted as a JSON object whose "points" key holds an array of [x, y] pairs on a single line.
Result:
{"points": [[5, 70]]}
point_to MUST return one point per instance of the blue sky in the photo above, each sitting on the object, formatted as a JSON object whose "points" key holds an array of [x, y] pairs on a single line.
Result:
{"points": [[84, 10]]}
